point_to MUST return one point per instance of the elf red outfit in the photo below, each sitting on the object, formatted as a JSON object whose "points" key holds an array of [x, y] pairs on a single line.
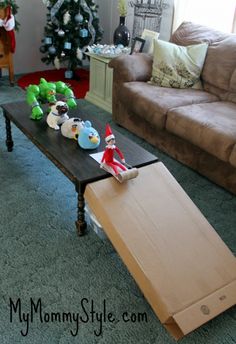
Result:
{"points": [[108, 155], [9, 24]]}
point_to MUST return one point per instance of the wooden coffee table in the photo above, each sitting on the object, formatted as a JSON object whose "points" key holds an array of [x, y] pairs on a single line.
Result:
{"points": [[72, 160]]}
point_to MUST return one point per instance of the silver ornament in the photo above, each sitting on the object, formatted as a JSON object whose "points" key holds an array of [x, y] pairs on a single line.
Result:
{"points": [[79, 18], [61, 33], [52, 50]]}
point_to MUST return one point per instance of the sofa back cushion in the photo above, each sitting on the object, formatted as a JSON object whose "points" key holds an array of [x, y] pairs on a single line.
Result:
{"points": [[219, 70], [177, 66]]}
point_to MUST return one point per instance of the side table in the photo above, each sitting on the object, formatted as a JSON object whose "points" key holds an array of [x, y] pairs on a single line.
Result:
{"points": [[100, 82]]}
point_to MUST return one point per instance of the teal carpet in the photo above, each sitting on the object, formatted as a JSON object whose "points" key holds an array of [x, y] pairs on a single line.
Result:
{"points": [[42, 259]]}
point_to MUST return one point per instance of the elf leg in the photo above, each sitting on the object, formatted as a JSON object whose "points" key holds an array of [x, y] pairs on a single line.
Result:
{"points": [[113, 166], [120, 165]]}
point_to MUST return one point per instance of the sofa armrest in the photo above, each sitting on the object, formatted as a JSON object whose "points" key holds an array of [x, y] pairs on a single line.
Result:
{"points": [[126, 68]]}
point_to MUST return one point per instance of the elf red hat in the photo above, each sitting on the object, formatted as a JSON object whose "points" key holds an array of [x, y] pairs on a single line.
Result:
{"points": [[109, 135]]}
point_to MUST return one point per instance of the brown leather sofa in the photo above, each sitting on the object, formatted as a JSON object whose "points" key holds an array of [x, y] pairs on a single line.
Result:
{"points": [[196, 127]]}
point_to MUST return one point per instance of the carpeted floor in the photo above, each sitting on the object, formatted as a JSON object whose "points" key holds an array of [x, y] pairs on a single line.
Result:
{"points": [[42, 258], [79, 85]]}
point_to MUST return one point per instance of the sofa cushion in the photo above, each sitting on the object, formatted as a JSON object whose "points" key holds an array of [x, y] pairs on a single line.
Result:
{"points": [[210, 126], [177, 66], [153, 102], [232, 158], [219, 70]]}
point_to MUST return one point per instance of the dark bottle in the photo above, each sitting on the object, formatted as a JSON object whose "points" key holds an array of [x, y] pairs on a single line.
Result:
{"points": [[121, 34]]}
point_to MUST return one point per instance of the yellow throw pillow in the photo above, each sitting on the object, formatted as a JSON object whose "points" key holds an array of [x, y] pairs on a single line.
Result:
{"points": [[177, 66]]}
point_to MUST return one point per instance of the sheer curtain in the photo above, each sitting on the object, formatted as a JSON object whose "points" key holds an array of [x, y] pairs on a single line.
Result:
{"points": [[216, 14]]}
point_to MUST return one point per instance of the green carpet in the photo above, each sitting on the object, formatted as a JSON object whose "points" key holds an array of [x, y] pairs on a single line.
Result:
{"points": [[43, 259]]}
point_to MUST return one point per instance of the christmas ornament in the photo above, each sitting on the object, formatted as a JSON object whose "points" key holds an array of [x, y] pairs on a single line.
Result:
{"points": [[90, 26], [48, 40], [67, 45], [61, 33], [52, 50], [68, 74], [83, 33], [43, 49], [109, 51], [57, 63], [66, 18], [79, 18], [79, 54]]}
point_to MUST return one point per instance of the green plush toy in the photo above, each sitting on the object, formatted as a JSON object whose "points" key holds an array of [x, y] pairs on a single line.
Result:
{"points": [[46, 92]]}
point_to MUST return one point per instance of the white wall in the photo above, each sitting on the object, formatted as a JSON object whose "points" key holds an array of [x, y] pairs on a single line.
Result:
{"points": [[109, 17], [32, 18]]}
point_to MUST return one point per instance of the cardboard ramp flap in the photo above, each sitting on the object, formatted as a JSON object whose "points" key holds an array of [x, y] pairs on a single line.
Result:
{"points": [[182, 266]]}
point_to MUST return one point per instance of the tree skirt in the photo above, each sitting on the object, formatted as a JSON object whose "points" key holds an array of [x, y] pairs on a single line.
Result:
{"points": [[79, 85]]}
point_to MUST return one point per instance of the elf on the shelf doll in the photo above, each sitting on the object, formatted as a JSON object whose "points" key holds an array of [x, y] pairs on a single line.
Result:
{"points": [[8, 24], [108, 155]]}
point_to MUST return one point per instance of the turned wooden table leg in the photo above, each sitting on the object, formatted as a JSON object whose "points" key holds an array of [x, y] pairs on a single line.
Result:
{"points": [[9, 142], [80, 223]]}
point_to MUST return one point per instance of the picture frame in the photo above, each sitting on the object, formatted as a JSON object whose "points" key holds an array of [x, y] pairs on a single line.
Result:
{"points": [[149, 36], [137, 46]]}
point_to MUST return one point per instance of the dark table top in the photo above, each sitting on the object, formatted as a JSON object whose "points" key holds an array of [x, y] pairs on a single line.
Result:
{"points": [[65, 153]]}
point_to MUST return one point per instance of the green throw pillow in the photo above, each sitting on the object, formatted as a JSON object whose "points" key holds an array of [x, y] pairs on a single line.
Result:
{"points": [[177, 66]]}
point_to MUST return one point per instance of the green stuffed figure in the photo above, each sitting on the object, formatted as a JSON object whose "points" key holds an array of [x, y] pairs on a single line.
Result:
{"points": [[46, 92]]}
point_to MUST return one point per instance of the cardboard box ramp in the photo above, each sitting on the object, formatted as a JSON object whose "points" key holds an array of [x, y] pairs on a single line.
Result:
{"points": [[182, 266]]}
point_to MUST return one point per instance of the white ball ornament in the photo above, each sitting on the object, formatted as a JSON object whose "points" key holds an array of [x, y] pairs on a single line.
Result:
{"points": [[79, 18], [61, 33], [52, 50]]}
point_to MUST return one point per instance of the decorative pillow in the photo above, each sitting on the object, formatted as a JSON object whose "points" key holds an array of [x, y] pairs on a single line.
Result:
{"points": [[177, 66]]}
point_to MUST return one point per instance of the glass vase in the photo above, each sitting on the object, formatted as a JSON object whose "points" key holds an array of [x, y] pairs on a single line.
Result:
{"points": [[121, 34]]}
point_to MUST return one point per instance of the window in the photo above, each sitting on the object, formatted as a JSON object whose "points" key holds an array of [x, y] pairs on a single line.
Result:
{"points": [[216, 14]]}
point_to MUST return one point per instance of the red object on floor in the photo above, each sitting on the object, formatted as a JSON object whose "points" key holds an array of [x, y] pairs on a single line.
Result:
{"points": [[79, 85]]}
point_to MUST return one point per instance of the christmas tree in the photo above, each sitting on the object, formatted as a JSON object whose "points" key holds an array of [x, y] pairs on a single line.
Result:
{"points": [[72, 25]]}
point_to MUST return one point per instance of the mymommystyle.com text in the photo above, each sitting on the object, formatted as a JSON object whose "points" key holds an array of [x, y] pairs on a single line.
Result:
{"points": [[88, 312]]}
